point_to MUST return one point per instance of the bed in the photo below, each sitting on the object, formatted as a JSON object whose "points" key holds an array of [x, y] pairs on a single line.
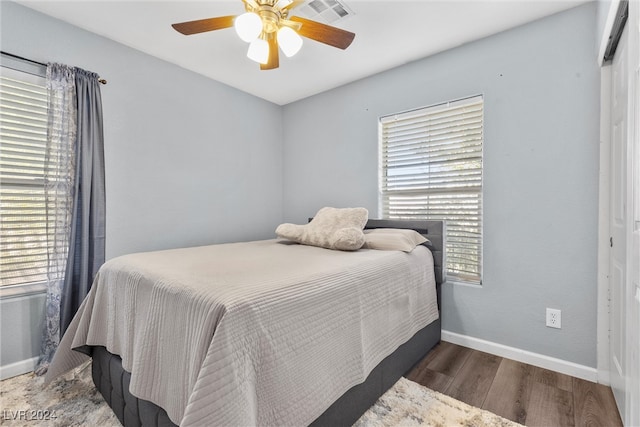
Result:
{"points": [[291, 354]]}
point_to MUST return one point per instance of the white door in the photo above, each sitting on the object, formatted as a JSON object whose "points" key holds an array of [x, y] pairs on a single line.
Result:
{"points": [[618, 222], [633, 245]]}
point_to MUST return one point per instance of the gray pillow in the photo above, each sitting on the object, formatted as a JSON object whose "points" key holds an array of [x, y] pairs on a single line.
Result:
{"points": [[393, 239], [330, 228]]}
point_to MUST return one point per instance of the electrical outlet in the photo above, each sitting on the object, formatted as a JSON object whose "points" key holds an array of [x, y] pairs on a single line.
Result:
{"points": [[554, 318]]}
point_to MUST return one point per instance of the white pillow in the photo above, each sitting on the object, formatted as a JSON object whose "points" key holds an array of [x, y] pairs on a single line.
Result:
{"points": [[330, 228], [393, 239]]}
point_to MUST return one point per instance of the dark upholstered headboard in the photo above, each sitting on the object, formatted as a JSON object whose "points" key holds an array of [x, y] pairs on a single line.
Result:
{"points": [[435, 231]]}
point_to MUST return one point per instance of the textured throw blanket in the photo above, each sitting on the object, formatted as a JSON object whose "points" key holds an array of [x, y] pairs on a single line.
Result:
{"points": [[257, 333]]}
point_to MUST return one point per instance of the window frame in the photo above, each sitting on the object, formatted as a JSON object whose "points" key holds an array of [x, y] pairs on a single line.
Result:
{"points": [[383, 195]]}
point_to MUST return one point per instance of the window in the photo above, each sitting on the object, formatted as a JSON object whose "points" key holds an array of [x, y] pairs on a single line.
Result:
{"points": [[431, 168], [23, 134]]}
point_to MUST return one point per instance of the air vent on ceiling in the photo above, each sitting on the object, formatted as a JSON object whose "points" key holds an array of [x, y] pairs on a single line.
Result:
{"points": [[327, 11]]}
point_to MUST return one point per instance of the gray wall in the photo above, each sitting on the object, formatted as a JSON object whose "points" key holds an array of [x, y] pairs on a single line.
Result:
{"points": [[183, 166], [20, 318], [541, 88]]}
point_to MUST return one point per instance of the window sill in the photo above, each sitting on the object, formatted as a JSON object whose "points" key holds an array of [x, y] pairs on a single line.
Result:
{"points": [[18, 291]]}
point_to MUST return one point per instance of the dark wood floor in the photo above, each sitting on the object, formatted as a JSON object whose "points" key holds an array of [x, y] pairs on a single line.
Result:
{"points": [[523, 393]]}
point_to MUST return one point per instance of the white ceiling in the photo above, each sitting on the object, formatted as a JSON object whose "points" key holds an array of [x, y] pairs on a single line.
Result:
{"points": [[388, 34]]}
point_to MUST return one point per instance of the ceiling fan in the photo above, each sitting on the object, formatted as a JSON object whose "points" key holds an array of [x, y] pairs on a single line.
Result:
{"points": [[266, 25]]}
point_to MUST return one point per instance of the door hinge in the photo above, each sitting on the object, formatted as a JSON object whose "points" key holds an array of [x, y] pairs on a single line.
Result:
{"points": [[611, 241]]}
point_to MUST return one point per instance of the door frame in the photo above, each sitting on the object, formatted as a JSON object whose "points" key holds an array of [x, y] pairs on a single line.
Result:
{"points": [[603, 293]]}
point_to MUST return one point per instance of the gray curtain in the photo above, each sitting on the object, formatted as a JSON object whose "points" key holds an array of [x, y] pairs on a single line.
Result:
{"points": [[87, 243], [75, 197]]}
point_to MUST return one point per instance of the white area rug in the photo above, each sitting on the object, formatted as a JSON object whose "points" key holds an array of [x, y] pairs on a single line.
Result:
{"points": [[74, 401], [410, 404], [71, 400]]}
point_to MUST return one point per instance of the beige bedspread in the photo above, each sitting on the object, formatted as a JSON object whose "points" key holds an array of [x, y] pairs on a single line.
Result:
{"points": [[256, 333]]}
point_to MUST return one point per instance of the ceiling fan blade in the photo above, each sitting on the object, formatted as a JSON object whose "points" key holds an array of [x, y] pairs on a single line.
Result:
{"points": [[274, 55], [323, 33], [204, 25]]}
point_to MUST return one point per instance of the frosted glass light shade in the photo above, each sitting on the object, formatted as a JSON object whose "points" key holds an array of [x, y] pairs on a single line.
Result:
{"points": [[289, 41], [248, 26], [259, 51]]}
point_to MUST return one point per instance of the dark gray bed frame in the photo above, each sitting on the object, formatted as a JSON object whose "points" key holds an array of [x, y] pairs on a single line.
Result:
{"points": [[113, 381]]}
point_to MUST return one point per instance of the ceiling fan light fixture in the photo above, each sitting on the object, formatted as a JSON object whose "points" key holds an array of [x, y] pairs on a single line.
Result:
{"points": [[289, 41], [248, 26], [259, 51], [268, 28]]}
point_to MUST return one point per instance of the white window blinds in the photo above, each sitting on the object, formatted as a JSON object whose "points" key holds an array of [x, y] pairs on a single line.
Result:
{"points": [[23, 134], [431, 168]]}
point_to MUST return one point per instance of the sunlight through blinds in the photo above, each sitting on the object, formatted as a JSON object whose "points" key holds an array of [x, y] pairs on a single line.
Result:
{"points": [[431, 168], [23, 135]]}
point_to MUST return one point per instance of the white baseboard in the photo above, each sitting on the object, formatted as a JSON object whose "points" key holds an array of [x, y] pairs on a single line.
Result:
{"points": [[540, 360], [18, 368]]}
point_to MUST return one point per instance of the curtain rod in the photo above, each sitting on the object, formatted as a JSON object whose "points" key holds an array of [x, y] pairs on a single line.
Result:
{"points": [[101, 80]]}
